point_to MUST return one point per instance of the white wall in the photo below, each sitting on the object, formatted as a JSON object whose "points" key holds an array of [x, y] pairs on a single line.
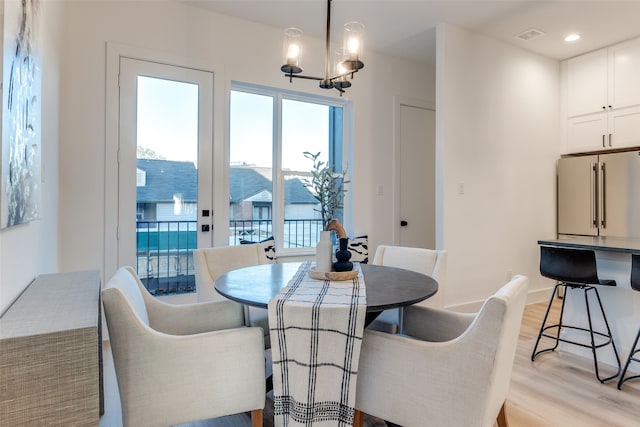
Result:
{"points": [[31, 249], [234, 50], [497, 124], [498, 133], [393, 80]]}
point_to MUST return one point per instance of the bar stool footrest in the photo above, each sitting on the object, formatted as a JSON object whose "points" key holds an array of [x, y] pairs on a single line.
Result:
{"points": [[608, 338]]}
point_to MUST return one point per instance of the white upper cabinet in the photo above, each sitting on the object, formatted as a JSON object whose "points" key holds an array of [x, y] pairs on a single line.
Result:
{"points": [[603, 99], [587, 83], [624, 74]]}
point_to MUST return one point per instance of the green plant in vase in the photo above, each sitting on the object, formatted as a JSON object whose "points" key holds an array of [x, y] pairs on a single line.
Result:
{"points": [[328, 187]]}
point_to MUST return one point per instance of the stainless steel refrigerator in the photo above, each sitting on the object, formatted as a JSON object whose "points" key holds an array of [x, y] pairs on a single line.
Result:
{"points": [[599, 195]]}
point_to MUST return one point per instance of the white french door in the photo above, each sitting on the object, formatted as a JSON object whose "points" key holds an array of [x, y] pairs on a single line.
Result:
{"points": [[165, 155]]}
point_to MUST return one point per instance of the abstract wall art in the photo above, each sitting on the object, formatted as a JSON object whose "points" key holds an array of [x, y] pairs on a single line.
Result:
{"points": [[21, 114]]}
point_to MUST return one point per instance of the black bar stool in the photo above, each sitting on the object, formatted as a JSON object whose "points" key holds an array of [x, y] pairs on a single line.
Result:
{"points": [[574, 269], [635, 285]]}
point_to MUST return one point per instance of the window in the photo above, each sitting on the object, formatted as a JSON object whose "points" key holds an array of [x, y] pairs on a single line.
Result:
{"points": [[269, 131], [141, 178]]}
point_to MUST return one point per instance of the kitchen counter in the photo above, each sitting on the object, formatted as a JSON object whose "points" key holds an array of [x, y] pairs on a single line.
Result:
{"points": [[610, 244], [621, 303]]}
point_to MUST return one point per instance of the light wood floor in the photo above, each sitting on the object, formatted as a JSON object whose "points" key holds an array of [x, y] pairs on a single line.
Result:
{"points": [[558, 389]]}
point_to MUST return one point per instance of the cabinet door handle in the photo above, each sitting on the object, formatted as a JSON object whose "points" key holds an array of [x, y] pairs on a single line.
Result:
{"points": [[609, 140], [603, 143]]}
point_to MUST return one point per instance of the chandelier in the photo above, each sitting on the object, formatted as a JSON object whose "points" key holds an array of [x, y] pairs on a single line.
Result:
{"points": [[347, 61]]}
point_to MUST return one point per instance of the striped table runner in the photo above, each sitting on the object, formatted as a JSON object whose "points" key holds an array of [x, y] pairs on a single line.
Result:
{"points": [[316, 331]]}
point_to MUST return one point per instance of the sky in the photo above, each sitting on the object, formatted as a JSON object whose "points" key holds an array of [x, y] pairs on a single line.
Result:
{"points": [[168, 124], [305, 128], [168, 118]]}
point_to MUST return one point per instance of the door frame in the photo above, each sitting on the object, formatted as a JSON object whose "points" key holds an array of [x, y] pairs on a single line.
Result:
{"points": [[398, 102], [112, 105]]}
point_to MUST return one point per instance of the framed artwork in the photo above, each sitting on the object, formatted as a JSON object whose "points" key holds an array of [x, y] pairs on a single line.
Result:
{"points": [[21, 114]]}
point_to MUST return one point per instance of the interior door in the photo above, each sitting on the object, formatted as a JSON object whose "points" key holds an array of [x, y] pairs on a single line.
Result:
{"points": [[164, 171], [415, 149]]}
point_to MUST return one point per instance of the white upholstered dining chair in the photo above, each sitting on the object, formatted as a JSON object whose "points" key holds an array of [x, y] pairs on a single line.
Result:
{"points": [[426, 261], [181, 363], [212, 262], [454, 370]]}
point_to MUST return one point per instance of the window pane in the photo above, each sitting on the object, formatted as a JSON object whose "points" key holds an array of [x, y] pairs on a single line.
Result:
{"points": [[167, 137], [251, 163], [251, 130], [305, 125], [166, 183]]}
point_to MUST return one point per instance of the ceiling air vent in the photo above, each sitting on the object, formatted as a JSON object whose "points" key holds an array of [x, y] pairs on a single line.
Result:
{"points": [[530, 34]]}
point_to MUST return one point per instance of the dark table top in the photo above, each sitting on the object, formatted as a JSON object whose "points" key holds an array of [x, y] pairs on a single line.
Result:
{"points": [[387, 287]]}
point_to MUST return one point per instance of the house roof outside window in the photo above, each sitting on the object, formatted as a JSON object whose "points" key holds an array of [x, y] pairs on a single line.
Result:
{"points": [[165, 178]]}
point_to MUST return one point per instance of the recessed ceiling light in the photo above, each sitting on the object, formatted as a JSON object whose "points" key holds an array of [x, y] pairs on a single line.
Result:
{"points": [[572, 37]]}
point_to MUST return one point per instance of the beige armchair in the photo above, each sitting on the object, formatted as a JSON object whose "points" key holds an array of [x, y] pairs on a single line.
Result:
{"points": [[453, 371], [181, 363], [426, 261], [212, 262]]}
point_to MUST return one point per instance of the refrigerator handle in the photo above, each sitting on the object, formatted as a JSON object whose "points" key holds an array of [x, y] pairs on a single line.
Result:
{"points": [[594, 185], [603, 203]]}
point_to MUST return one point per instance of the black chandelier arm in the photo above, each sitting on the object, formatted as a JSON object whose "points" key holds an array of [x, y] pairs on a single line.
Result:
{"points": [[301, 76], [347, 74]]}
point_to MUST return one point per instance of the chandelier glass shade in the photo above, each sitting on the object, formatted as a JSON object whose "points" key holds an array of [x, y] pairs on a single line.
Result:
{"points": [[346, 61]]}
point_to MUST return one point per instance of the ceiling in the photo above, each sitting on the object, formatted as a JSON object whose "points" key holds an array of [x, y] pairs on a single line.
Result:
{"points": [[406, 28]]}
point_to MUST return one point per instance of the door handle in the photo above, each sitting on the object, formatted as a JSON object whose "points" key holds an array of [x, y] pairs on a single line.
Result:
{"points": [[403, 223], [603, 202], [594, 193]]}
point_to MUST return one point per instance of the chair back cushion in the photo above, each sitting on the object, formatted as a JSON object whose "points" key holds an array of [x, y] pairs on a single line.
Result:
{"points": [[125, 280], [508, 305], [212, 262], [426, 261], [568, 265], [421, 260]]}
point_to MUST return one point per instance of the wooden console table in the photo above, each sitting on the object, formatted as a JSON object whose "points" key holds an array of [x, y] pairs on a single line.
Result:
{"points": [[51, 353]]}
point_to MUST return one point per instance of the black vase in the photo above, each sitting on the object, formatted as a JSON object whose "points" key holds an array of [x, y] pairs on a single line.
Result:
{"points": [[343, 255]]}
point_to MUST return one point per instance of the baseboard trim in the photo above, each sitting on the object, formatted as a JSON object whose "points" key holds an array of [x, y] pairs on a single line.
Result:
{"points": [[533, 297]]}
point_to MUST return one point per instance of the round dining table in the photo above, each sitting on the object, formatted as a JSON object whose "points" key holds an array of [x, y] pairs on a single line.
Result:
{"points": [[386, 287]]}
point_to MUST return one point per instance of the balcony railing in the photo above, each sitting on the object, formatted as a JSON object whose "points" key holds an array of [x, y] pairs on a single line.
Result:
{"points": [[164, 259], [298, 233], [165, 256]]}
